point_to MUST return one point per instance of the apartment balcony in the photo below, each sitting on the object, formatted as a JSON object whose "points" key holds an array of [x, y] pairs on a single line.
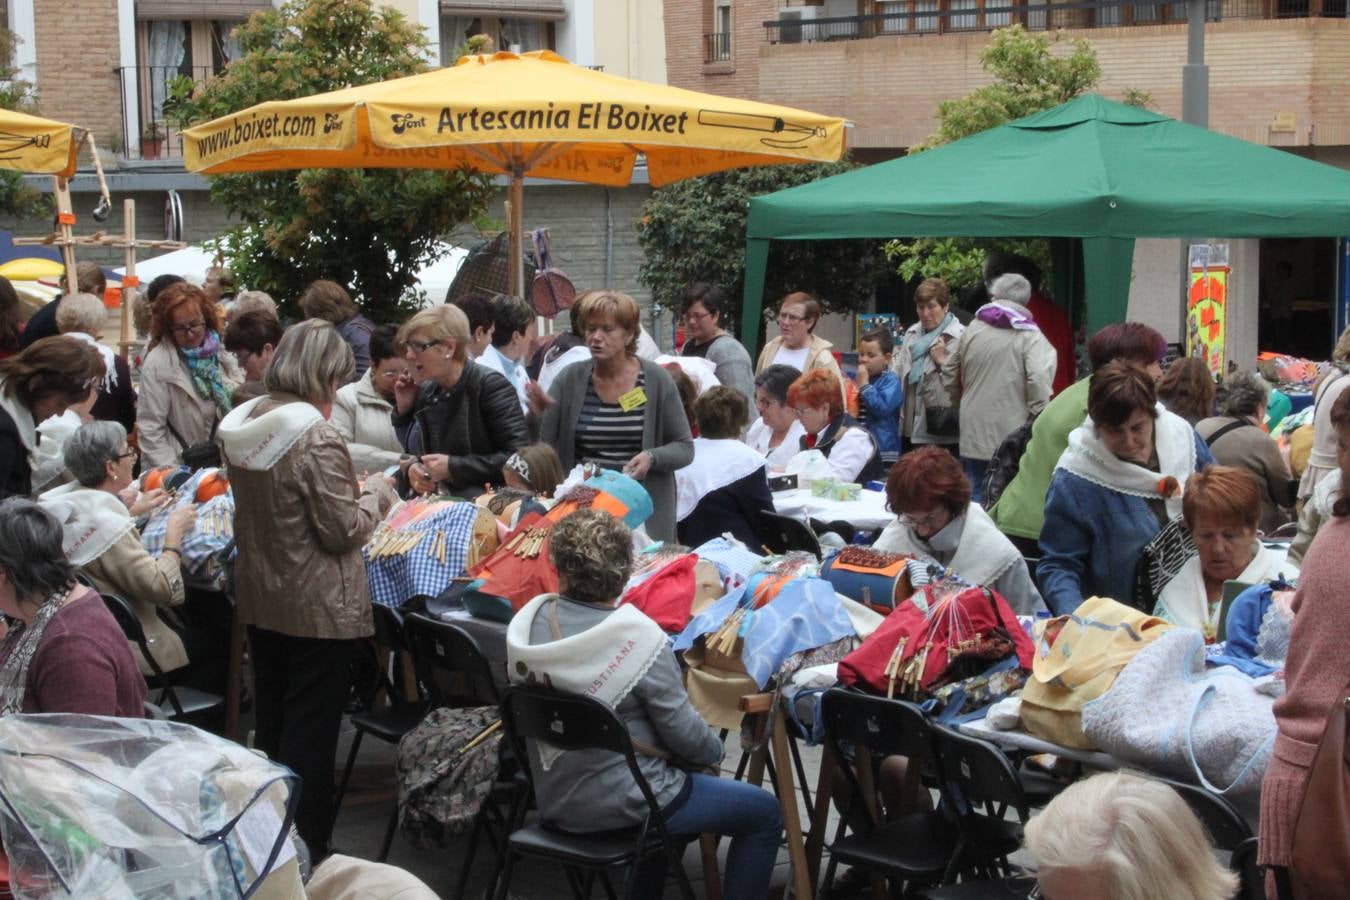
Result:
{"points": [[963, 16], [717, 47], [146, 94]]}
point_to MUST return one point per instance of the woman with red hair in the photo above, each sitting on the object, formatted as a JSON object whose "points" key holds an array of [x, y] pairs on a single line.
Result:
{"points": [[187, 377], [1222, 507], [930, 495], [851, 450]]}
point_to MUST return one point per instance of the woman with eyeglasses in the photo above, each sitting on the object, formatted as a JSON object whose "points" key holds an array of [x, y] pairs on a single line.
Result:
{"points": [[44, 380], [97, 511], [777, 433], [935, 518], [701, 312], [849, 447], [462, 420], [187, 376], [797, 345]]}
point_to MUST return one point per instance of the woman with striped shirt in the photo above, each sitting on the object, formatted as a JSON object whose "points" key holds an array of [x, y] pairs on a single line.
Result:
{"points": [[618, 410]]}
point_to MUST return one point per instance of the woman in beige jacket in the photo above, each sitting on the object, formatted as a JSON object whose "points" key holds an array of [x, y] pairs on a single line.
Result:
{"points": [[186, 378], [797, 345], [102, 540], [300, 521]]}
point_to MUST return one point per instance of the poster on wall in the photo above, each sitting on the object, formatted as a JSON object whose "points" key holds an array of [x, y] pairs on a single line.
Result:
{"points": [[1207, 305], [866, 322]]}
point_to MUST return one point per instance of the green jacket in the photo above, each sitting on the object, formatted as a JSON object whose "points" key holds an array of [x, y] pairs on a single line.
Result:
{"points": [[1020, 510]]}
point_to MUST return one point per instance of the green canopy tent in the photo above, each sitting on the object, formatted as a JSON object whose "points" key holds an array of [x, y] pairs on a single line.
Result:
{"points": [[1090, 168]]}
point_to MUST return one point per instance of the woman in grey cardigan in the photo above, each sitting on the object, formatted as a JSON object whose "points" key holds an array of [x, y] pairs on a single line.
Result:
{"points": [[619, 410]]}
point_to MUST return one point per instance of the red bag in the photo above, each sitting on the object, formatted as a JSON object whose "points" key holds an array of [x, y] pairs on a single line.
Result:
{"points": [[963, 632], [666, 596]]}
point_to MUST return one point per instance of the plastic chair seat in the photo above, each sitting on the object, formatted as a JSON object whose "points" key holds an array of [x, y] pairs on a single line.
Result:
{"points": [[1039, 788], [916, 845], [607, 848], [994, 837], [390, 725]]}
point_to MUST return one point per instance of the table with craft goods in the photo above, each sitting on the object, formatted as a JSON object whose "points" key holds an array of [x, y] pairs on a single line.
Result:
{"points": [[867, 513]]}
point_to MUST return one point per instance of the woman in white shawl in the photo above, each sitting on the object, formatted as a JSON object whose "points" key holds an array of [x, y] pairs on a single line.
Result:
{"points": [[100, 536], [1116, 485], [1222, 508], [930, 495], [577, 641]]}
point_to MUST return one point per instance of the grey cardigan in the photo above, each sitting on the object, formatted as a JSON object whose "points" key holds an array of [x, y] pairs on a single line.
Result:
{"points": [[665, 434]]}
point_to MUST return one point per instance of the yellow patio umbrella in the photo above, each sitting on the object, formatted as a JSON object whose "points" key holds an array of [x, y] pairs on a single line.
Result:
{"points": [[516, 115], [37, 146]]}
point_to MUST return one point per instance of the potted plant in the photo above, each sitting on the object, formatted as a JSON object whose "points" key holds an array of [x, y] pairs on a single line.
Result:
{"points": [[152, 140]]}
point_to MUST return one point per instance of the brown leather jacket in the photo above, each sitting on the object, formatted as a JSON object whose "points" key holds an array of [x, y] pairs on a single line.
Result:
{"points": [[300, 526]]}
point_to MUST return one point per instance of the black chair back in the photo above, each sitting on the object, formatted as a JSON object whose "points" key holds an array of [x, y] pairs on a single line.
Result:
{"points": [[133, 631], [976, 774], [1226, 826], [782, 534], [885, 727], [450, 666], [571, 722], [388, 627]]}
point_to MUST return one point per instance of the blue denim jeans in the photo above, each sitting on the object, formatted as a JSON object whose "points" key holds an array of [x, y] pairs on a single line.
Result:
{"points": [[747, 814], [976, 469]]}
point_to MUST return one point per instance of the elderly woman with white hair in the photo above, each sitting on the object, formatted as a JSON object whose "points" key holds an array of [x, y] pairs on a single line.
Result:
{"points": [[1119, 836], [101, 537], [300, 520], [82, 316], [1236, 438]]}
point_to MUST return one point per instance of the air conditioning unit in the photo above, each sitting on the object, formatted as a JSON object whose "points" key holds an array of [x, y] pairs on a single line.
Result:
{"points": [[790, 29]]}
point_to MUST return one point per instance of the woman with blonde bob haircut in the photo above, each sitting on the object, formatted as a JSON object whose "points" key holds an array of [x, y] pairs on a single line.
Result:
{"points": [[462, 420], [1118, 836], [300, 521]]}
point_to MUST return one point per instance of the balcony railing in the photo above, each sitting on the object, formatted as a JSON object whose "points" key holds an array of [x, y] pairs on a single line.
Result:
{"points": [[717, 47], [943, 16], [146, 131]]}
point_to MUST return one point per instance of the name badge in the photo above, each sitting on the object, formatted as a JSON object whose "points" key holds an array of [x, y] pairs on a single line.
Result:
{"points": [[633, 399]]}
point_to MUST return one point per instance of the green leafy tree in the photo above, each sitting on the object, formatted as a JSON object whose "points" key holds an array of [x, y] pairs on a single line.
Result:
{"points": [[17, 200], [371, 229], [694, 230], [1029, 76]]}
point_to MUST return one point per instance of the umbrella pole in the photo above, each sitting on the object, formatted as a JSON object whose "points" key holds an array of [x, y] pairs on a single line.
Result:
{"points": [[515, 208]]}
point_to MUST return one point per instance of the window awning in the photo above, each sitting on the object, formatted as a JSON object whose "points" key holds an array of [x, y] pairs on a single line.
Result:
{"points": [[552, 10], [199, 9]]}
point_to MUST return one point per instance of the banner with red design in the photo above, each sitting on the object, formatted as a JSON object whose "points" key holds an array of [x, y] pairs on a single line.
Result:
{"points": [[1207, 305]]}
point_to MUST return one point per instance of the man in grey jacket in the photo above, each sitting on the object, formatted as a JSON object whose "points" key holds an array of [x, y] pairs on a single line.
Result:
{"points": [[1002, 368]]}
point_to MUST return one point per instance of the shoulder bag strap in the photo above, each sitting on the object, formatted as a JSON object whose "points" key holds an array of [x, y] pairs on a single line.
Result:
{"points": [[1231, 426]]}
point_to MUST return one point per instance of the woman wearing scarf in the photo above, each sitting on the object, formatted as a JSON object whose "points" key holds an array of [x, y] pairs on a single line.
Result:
{"points": [[102, 541], [930, 495], [187, 376], [577, 641], [63, 651], [921, 375], [1222, 507], [1115, 487], [300, 584], [39, 383], [82, 317]]}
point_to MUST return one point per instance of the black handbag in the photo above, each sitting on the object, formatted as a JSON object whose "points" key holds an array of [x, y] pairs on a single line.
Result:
{"points": [[942, 421], [202, 455]]}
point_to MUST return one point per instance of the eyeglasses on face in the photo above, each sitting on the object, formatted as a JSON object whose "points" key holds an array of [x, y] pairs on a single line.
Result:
{"points": [[421, 346], [790, 317], [697, 315], [129, 453], [932, 518], [188, 328]]}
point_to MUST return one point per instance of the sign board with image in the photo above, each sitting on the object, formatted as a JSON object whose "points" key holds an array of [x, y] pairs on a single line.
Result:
{"points": [[1207, 295]]}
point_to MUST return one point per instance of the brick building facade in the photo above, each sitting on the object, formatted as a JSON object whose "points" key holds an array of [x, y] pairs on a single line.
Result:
{"points": [[1277, 75]]}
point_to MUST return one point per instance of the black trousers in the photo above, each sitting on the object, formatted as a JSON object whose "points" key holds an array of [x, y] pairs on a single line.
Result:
{"points": [[300, 689]]}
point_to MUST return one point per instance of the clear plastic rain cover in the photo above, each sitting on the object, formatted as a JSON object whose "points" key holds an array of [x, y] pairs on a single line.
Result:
{"points": [[92, 806]]}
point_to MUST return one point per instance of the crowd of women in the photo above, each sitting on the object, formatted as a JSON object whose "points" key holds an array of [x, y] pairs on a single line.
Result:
{"points": [[324, 424]]}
